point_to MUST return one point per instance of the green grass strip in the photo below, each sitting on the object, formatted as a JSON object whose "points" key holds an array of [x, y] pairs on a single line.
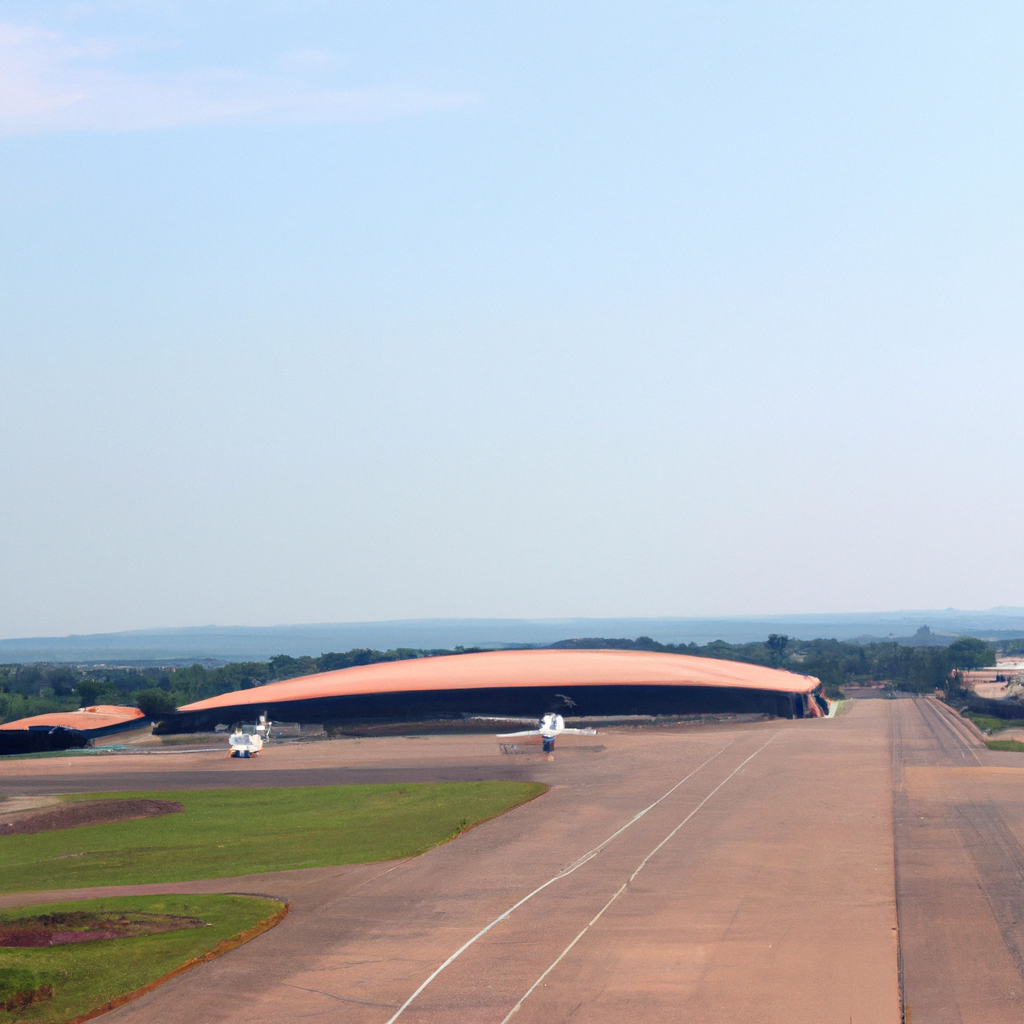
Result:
{"points": [[1014, 745], [88, 975], [225, 832], [990, 723]]}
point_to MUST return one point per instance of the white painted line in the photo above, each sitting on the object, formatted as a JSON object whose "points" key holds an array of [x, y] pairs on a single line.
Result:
{"points": [[562, 955], [564, 873], [942, 718]]}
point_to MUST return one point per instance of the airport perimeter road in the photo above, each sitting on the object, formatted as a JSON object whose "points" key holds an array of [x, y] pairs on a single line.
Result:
{"points": [[959, 824], [757, 887]]}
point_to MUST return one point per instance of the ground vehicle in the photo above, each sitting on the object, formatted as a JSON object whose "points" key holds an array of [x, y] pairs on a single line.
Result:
{"points": [[248, 740]]}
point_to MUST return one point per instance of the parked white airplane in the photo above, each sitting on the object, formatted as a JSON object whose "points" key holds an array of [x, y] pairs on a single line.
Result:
{"points": [[549, 727]]}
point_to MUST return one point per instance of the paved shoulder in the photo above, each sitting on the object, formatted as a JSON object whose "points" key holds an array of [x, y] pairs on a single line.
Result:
{"points": [[959, 826]]}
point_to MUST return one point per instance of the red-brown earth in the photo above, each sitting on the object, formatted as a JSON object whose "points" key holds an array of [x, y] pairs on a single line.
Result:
{"points": [[61, 929], [83, 812]]}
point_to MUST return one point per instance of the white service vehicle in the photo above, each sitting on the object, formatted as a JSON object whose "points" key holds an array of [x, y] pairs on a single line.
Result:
{"points": [[248, 740]]}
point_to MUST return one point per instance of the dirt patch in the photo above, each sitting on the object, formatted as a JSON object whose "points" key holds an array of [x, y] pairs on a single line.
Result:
{"points": [[84, 926], [83, 812], [23, 1000]]}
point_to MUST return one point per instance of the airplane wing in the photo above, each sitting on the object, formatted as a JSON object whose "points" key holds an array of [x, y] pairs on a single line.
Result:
{"points": [[501, 718], [525, 732]]}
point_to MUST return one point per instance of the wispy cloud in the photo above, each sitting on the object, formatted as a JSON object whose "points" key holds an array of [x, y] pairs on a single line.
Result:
{"points": [[50, 83]]}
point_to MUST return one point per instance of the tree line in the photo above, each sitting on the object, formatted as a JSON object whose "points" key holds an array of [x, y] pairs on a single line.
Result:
{"points": [[27, 690], [37, 689], [835, 662]]}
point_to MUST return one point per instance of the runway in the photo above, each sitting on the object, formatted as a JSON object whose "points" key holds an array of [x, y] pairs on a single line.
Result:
{"points": [[959, 825], [724, 874]]}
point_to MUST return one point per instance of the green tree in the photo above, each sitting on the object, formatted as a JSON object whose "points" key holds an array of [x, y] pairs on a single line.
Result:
{"points": [[95, 691], [777, 644], [968, 652], [829, 669], [283, 666], [154, 703]]}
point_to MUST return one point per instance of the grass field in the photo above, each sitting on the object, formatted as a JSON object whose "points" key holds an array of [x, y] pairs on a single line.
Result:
{"points": [[988, 723], [87, 975], [1013, 745], [227, 832]]}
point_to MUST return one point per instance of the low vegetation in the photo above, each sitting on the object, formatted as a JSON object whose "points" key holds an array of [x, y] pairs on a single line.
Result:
{"points": [[54, 984], [836, 662], [35, 689], [38, 689], [229, 832], [988, 723], [1012, 745]]}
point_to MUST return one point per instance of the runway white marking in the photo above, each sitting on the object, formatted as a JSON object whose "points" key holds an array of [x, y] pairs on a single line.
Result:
{"points": [[564, 873], [942, 718], [640, 868]]}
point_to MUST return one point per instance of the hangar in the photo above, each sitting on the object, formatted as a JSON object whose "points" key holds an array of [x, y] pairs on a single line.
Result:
{"points": [[516, 683], [62, 730]]}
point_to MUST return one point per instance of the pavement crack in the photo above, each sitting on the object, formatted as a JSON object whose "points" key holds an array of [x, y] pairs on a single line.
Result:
{"points": [[340, 999]]}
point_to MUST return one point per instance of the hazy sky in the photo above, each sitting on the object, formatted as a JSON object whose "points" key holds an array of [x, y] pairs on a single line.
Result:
{"points": [[336, 311]]}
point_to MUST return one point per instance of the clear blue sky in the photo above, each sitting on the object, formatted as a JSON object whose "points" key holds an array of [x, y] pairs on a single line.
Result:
{"points": [[327, 311]]}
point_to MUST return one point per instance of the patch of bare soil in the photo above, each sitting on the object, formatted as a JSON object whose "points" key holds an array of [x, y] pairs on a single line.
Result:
{"points": [[85, 926], [83, 812], [23, 1000]]}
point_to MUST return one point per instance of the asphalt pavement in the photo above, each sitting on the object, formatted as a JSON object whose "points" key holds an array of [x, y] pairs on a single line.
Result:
{"points": [[806, 871], [959, 829], [724, 874]]}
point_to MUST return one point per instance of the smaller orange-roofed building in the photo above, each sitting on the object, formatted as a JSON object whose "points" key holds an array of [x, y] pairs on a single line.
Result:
{"points": [[99, 720], [62, 730]]}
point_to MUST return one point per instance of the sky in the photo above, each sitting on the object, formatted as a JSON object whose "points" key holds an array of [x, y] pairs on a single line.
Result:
{"points": [[324, 312]]}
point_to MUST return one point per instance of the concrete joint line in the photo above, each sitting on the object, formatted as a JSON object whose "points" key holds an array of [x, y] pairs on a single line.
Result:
{"points": [[565, 872], [625, 884], [932, 704]]}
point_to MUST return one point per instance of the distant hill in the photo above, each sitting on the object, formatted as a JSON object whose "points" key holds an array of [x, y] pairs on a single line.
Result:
{"points": [[218, 644], [924, 637]]}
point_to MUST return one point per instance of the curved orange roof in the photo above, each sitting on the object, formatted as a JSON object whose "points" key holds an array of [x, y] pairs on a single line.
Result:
{"points": [[496, 669], [102, 716]]}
